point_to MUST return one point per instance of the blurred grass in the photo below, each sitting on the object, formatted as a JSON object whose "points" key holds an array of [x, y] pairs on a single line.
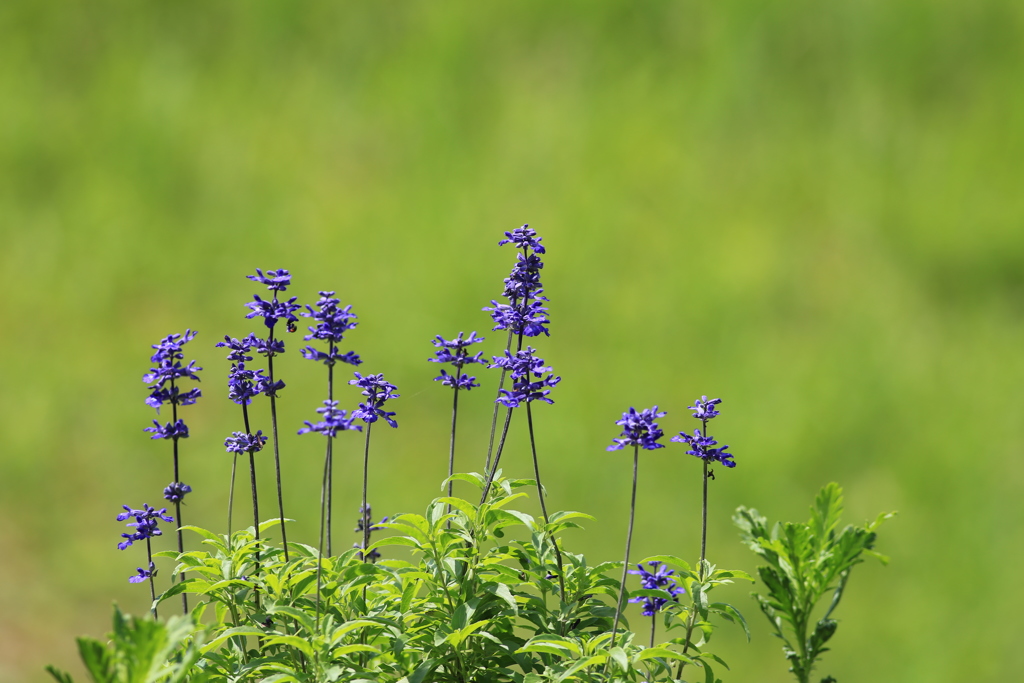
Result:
{"points": [[811, 209]]}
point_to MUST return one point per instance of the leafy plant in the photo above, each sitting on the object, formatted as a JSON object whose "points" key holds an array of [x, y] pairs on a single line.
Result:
{"points": [[806, 562]]}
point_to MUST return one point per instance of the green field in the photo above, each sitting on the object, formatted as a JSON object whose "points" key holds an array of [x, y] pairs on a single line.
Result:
{"points": [[811, 209]]}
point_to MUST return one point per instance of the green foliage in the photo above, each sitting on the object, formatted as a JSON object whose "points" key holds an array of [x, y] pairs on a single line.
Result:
{"points": [[142, 651], [805, 562], [478, 601]]}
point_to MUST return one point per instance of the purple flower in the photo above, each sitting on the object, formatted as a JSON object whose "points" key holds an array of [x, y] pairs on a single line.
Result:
{"points": [[176, 491], [145, 524], [524, 238], [702, 446], [661, 579], [268, 347], [178, 430], [167, 369], [143, 574], [239, 348], [330, 358], [458, 359], [241, 442], [272, 311], [332, 322], [365, 522], [334, 421], [530, 319], [639, 429], [703, 409], [275, 280], [528, 378], [378, 391]]}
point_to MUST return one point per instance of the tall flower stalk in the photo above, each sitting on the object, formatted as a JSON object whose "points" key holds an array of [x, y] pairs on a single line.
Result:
{"points": [[332, 321], [523, 316], [377, 391], [332, 421], [271, 311], [639, 430], [145, 527], [163, 388], [456, 352], [703, 446]]}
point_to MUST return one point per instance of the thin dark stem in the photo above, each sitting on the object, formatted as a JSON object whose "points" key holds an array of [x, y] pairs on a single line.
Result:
{"points": [[330, 454], [451, 445], [497, 457], [543, 506], [277, 452], [494, 417], [255, 503], [366, 520], [629, 542], [177, 503], [654, 622], [152, 586], [703, 548], [320, 547], [231, 493]]}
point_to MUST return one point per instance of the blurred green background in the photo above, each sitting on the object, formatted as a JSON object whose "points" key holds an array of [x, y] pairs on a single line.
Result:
{"points": [[812, 209]]}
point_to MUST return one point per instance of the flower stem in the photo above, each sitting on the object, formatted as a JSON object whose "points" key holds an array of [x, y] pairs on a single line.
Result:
{"points": [[277, 453], [255, 503], [320, 547], [231, 494], [152, 586], [366, 522], [543, 506], [177, 503], [329, 462], [700, 570], [629, 541], [654, 622], [451, 446], [497, 457], [494, 416]]}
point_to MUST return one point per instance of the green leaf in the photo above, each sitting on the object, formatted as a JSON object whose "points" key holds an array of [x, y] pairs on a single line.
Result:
{"points": [[618, 655], [423, 670], [663, 652], [97, 660], [732, 614], [61, 676]]}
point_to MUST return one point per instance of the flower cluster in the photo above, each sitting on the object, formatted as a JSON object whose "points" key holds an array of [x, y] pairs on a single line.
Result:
{"points": [[334, 421], [525, 312], [243, 383], [168, 368], [703, 447], [528, 378], [639, 429], [377, 391], [175, 491], [176, 430], [660, 579], [273, 310], [240, 442], [143, 574], [332, 322], [145, 524], [456, 352], [701, 444], [363, 524]]}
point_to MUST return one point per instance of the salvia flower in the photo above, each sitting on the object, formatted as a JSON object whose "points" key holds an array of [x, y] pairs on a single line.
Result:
{"points": [[334, 421], [524, 238], [332, 321], [531, 319], [661, 578], [275, 280], [363, 523], [704, 409], [239, 348], [143, 574], [168, 369], [240, 442], [639, 429], [175, 491], [456, 352], [703, 446], [273, 310], [145, 524], [178, 430], [378, 391], [531, 379]]}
